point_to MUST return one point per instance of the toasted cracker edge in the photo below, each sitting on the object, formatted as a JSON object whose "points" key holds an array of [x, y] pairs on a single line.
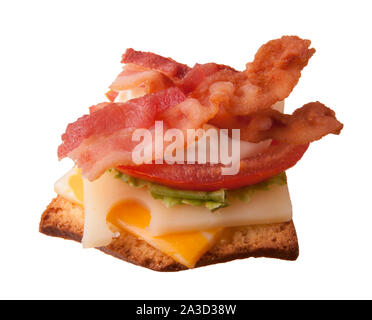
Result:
{"points": [[65, 219]]}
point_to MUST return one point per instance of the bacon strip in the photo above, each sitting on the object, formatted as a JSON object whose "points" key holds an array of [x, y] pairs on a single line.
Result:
{"points": [[216, 94], [133, 76], [137, 113], [189, 114], [273, 74], [97, 154], [307, 124], [198, 74], [270, 78], [111, 95], [101, 152], [149, 60]]}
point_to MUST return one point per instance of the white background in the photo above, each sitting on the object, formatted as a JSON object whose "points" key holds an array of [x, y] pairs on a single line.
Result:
{"points": [[58, 57]]}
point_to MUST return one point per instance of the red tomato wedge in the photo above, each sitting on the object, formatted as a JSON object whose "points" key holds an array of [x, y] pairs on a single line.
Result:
{"points": [[205, 177]]}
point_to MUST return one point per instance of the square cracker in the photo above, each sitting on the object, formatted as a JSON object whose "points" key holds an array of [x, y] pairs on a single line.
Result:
{"points": [[65, 219]]}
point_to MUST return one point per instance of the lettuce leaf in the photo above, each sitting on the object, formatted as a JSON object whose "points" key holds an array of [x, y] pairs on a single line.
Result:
{"points": [[212, 200], [245, 193]]}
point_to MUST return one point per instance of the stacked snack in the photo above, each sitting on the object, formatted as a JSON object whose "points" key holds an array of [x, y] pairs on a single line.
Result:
{"points": [[170, 216]]}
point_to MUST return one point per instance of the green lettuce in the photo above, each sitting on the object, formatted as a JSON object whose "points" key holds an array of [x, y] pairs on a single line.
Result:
{"points": [[212, 200], [245, 193]]}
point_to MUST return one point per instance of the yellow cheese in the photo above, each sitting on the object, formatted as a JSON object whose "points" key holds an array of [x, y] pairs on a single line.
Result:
{"points": [[75, 182], [71, 189], [186, 247]]}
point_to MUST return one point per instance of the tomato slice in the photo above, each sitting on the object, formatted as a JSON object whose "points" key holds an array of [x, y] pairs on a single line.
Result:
{"points": [[275, 159]]}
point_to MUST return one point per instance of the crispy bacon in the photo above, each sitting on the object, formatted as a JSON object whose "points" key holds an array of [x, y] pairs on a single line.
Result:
{"points": [[198, 74], [187, 98], [111, 95], [98, 106], [136, 113], [149, 60], [270, 78], [97, 154], [273, 74], [189, 114], [133, 76], [101, 152], [307, 124]]}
